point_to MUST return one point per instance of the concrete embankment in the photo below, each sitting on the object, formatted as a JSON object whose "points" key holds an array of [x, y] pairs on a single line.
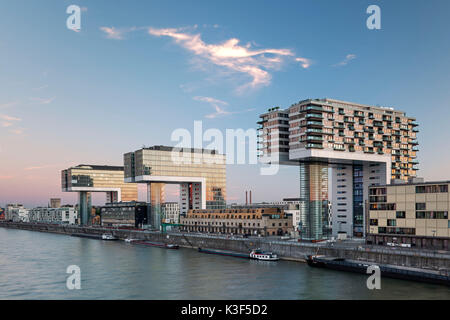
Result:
{"points": [[286, 250]]}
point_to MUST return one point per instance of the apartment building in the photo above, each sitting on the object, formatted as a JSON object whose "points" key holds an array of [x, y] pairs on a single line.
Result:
{"points": [[363, 145], [16, 212], [411, 213], [171, 212], [268, 221], [63, 215]]}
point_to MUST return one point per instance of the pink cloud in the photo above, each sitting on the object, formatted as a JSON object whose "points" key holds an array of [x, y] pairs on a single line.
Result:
{"points": [[233, 56]]}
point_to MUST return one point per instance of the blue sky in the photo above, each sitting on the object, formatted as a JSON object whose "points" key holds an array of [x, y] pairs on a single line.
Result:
{"points": [[124, 81]]}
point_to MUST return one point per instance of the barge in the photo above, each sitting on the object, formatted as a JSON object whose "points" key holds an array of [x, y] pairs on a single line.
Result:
{"points": [[156, 244], [391, 271], [88, 236], [256, 254], [224, 253]]}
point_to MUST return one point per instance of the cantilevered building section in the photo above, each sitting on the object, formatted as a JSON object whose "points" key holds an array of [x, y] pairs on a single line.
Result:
{"points": [[201, 174], [364, 146], [85, 179]]}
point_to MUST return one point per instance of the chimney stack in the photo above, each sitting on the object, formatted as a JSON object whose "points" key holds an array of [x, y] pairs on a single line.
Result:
{"points": [[246, 198], [250, 196]]}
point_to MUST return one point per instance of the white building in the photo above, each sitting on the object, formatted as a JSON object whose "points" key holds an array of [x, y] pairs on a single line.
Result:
{"points": [[65, 215], [16, 212], [171, 212]]}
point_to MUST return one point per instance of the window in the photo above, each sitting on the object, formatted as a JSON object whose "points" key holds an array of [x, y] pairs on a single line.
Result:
{"points": [[420, 206], [400, 214], [392, 222], [373, 222]]}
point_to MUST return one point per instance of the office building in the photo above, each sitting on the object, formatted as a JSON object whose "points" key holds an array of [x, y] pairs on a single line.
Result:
{"points": [[85, 179], [201, 174], [363, 145], [268, 221], [171, 212], [129, 214], [62, 215], [412, 213]]}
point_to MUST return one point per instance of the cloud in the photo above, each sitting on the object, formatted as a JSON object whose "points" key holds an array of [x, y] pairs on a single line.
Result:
{"points": [[219, 107], [8, 121], [5, 177], [42, 100], [255, 63], [347, 59], [17, 131], [42, 167], [8, 104], [116, 33], [9, 118], [40, 88]]}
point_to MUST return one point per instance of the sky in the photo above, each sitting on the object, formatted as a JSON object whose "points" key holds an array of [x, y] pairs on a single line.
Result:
{"points": [[138, 70]]}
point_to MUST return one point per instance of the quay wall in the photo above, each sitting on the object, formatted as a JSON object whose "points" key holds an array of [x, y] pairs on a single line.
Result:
{"points": [[285, 250]]}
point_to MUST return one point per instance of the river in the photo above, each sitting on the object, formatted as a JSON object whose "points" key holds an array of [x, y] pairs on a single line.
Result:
{"points": [[33, 266]]}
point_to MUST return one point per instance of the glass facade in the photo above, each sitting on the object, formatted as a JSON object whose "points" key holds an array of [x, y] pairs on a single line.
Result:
{"points": [[198, 163], [314, 224], [358, 202]]}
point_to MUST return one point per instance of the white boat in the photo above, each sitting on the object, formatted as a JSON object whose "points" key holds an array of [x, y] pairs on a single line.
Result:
{"points": [[130, 240], [265, 256], [108, 237]]}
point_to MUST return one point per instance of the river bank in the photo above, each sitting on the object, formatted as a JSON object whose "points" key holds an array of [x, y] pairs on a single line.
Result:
{"points": [[286, 250]]}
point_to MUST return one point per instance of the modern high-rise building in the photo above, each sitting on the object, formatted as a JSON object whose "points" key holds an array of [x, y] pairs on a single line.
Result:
{"points": [[363, 145], [201, 174], [85, 179]]}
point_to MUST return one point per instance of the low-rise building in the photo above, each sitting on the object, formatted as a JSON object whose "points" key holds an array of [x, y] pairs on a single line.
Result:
{"points": [[129, 214], [414, 214], [268, 221], [16, 212], [2, 214], [171, 212], [63, 215]]}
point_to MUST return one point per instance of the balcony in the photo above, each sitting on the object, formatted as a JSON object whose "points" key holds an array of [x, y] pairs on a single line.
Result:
{"points": [[378, 124], [378, 144], [414, 142], [313, 116], [314, 138], [314, 146], [413, 123], [314, 123], [310, 130], [414, 161], [312, 107], [415, 130], [349, 120], [415, 149]]}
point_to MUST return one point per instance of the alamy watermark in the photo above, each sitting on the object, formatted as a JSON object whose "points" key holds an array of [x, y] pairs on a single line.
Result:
{"points": [[374, 281], [238, 145], [74, 280], [73, 22], [374, 20]]}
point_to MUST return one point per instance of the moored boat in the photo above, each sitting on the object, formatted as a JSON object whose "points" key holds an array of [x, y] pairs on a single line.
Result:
{"points": [[389, 271], [108, 237], [258, 254], [224, 253], [157, 244]]}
